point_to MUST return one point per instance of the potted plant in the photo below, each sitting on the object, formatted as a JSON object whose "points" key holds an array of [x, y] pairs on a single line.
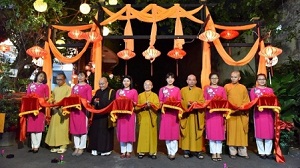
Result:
{"points": [[286, 139]]}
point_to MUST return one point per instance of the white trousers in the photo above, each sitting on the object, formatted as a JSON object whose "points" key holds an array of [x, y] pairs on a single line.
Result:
{"points": [[126, 147], [172, 147], [264, 148], [80, 141], [36, 139], [215, 147]]}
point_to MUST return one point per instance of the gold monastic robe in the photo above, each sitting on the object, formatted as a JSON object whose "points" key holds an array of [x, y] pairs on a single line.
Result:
{"points": [[147, 121], [192, 123], [58, 132], [238, 123]]}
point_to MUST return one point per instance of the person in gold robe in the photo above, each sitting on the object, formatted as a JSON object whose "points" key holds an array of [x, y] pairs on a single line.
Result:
{"points": [[192, 123], [58, 133], [147, 120], [237, 124]]}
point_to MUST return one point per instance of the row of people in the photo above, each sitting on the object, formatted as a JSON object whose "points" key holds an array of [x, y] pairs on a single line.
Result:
{"points": [[188, 130]]}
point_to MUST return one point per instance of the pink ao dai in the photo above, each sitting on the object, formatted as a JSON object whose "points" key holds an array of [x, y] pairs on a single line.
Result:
{"points": [[214, 122], [263, 120]]}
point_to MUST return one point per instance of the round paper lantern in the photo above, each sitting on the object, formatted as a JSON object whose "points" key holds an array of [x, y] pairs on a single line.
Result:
{"points": [[36, 51], [4, 48], [229, 34], [177, 53], [270, 52], [113, 2], [93, 36], [40, 6], [76, 34], [151, 53], [209, 36], [126, 54], [85, 8]]}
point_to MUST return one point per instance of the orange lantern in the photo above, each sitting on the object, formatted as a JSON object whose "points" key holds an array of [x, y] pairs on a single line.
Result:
{"points": [[209, 36], [126, 54], [150, 54], [4, 48], [76, 34], [177, 53], [93, 36], [36, 51], [270, 52], [229, 34]]}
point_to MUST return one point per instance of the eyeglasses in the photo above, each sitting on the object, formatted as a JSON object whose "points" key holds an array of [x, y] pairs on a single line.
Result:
{"points": [[261, 79], [214, 78], [59, 79]]}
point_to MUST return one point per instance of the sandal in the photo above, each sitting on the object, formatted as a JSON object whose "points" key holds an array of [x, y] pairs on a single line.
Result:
{"points": [[219, 159], [153, 156], [186, 156], [140, 156], [128, 155], [122, 156], [214, 159], [232, 156], [61, 150], [53, 150], [199, 156]]}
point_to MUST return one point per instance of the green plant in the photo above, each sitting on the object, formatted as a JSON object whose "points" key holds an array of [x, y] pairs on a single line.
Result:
{"points": [[286, 138], [11, 109], [114, 81]]}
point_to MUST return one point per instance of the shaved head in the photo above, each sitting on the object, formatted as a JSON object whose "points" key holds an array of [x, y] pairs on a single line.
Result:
{"points": [[236, 73], [191, 80]]}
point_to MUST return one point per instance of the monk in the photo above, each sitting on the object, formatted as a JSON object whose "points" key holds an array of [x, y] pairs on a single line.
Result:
{"points": [[192, 123], [147, 120], [237, 125]]}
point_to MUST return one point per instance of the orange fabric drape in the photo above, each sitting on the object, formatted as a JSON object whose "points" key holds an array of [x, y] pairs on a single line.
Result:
{"points": [[47, 66], [262, 61]]}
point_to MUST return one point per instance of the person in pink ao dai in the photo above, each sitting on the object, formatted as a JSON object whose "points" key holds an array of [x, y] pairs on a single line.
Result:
{"points": [[126, 122], [263, 120], [36, 124], [214, 122], [169, 125], [78, 118]]}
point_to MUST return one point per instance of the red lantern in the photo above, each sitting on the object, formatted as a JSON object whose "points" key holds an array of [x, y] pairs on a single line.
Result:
{"points": [[76, 34], [270, 52], [209, 36], [36, 51], [126, 54], [4, 48], [177, 53], [229, 34], [93, 36]]}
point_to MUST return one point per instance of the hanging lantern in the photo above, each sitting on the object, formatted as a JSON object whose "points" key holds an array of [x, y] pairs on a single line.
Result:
{"points": [[209, 36], [38, 62], [105, 31], [271, 62], [151, 53], [40, 6], [59, 42], [270, 52], [177, 53], [76, 34], [36, 51], [4, 48], [126, 54], [93, 36], [85, 8], [229, 34]]}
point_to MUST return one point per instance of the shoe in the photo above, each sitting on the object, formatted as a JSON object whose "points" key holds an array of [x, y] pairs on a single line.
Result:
{"points": [[214, 159], [199, 156], [245, 157], [80, 152], [263, 156], [171, 157], [153, 156], [36, 150], [141, 156], [61, 150], [106, 153], [270, 157], [30, 150], [128, 155], [219, 159], [232, 156], [122, 156], [53, 150], [75, 152], [94, 153]]}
